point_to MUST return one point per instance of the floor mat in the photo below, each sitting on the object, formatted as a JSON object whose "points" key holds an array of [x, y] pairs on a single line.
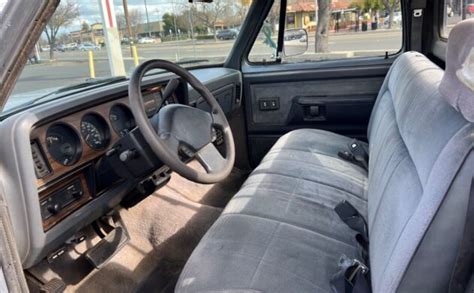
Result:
{"points": [[164, 230]]}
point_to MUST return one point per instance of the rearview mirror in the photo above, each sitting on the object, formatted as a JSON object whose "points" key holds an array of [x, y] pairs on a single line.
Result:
{"points": [[296, 42]]}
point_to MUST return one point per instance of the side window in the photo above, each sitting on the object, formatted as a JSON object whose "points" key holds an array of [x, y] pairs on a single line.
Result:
{"points": [[265, 47], [324, 30], [454, 12]]}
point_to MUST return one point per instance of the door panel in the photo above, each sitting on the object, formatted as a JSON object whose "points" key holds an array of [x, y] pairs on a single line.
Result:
{"points": [[338, 100]]}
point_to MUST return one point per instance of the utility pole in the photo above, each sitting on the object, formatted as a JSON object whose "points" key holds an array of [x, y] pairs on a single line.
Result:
{"points": [[147, 20], [127, 23]]}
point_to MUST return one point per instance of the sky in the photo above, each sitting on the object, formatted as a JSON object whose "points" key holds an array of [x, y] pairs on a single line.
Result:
{"points": [[90, 10]]}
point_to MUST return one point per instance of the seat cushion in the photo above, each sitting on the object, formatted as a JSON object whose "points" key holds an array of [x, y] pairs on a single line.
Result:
{"points": [[280, 233]]}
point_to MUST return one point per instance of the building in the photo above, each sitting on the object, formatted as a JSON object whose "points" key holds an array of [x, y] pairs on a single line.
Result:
{"points": [[153, 29], [303, 14], [94, 35]]}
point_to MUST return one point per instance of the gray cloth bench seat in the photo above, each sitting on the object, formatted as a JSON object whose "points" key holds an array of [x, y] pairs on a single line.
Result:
{"points": [[280, 233], [284, 211]]}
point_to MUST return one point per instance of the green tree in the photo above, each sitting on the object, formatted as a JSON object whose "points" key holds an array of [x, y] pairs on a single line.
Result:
{"points": [[175, 23], [66, 13]]}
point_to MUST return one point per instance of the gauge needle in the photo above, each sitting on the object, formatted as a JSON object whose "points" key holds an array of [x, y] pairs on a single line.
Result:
{"points": [[87, 136]]}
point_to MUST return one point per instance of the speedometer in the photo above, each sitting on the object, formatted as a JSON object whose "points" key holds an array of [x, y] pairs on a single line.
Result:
{"points": [[95, 131]]}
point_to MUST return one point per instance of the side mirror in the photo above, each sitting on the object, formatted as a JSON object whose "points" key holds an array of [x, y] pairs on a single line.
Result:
{"points": [[296, 42]]}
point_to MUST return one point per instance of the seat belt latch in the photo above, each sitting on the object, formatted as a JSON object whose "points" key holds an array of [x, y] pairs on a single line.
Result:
{"points": [[356, 154], [351, 216]]}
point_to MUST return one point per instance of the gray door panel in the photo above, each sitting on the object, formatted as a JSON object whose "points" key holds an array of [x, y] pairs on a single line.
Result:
{"points": [[332, 99]]}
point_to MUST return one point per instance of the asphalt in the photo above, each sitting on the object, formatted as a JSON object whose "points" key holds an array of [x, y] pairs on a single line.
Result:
{"points": [[72, 67]]}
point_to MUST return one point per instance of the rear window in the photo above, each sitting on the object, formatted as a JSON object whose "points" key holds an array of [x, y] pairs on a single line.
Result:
{"points": [[454, 12]]}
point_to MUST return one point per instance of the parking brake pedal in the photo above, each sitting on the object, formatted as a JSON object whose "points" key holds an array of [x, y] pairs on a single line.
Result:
{"points": [[111, 244]]}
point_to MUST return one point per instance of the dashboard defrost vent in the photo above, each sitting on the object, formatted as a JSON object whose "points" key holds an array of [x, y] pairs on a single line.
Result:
{"points": [[41, 166]]}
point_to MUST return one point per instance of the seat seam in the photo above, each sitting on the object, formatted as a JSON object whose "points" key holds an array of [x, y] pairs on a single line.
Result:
{"points": [[306, 179], [270, 264], [383, 191], [263, 255], [348, 176], [299, 195], [288, 224], [275, 218]]}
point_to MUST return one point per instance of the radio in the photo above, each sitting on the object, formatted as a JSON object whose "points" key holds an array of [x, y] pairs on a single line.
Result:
{"points": [[59, 201]]}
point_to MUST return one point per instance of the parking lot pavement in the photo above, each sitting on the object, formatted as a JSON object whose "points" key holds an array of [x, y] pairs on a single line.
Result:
{"points": [[72, 66]]}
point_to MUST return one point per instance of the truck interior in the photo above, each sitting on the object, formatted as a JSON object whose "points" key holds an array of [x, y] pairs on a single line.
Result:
{"points": [[327, 148]]}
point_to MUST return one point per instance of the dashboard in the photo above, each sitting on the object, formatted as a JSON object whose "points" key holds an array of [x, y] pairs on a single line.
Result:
{"points": [[68, 162], [78, 141]]}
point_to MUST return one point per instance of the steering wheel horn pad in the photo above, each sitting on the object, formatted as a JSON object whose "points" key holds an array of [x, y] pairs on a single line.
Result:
{"points": [[186, 124], [176, 127]]}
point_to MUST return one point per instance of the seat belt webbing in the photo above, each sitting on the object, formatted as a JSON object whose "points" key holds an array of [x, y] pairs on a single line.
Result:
{"points": [[416, 29], [464, 266]]}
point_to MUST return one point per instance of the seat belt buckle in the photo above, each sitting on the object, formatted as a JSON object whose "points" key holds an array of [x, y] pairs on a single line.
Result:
{"points": [[352, 267]]}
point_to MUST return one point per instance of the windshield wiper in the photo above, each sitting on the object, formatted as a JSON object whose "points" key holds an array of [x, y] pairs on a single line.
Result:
{"points": [[89, 83]]}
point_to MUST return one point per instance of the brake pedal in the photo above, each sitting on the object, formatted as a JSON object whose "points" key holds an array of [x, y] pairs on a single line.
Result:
{"points": [[108, 247]]}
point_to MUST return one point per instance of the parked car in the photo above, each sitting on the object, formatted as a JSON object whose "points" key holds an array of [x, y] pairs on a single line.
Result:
{"points": [[227, 34], [295, 35], [146, 40], [60, 48], [71, 46], [88, 46]]}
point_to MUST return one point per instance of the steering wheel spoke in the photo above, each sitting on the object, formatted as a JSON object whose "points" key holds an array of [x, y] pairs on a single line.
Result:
{"points": [[211, 159]]}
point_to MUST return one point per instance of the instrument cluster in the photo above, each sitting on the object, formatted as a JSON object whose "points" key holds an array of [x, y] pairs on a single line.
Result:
{"points": [[64, 143], [94, 130]]}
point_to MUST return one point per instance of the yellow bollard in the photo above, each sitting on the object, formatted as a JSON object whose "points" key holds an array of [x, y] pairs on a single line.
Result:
{"points": [[135, 55], [91, 64]]}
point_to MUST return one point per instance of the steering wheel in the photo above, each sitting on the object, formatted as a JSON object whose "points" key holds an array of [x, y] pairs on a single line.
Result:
{"points": [[180, 129]]}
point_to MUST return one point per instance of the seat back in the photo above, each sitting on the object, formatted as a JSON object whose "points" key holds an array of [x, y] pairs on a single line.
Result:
{"points": [[420, 172]]}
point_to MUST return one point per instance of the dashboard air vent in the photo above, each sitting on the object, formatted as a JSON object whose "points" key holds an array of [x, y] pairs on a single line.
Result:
{"points": [[41, 167]]}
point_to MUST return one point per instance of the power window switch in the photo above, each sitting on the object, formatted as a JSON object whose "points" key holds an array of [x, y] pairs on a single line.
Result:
{"points": [[270, 104]]}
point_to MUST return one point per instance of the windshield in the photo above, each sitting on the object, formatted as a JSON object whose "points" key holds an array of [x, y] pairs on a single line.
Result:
{"points": [[95, 40]]}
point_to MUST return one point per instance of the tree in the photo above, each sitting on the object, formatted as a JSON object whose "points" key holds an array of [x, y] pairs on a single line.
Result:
{"points": [[324, 11], [175, 23], [209, 14], [64, 16], [135, 18], [85, 27], [390, 6]]}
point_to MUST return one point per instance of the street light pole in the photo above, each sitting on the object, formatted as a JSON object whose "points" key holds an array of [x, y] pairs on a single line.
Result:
{"points": [[147, 19], [127, 23]]}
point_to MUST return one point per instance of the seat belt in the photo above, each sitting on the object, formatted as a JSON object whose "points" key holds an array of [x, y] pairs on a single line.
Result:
{"points": [[416, 29], [352, 277], [356, 154], [464, 265], [352, 218]]}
